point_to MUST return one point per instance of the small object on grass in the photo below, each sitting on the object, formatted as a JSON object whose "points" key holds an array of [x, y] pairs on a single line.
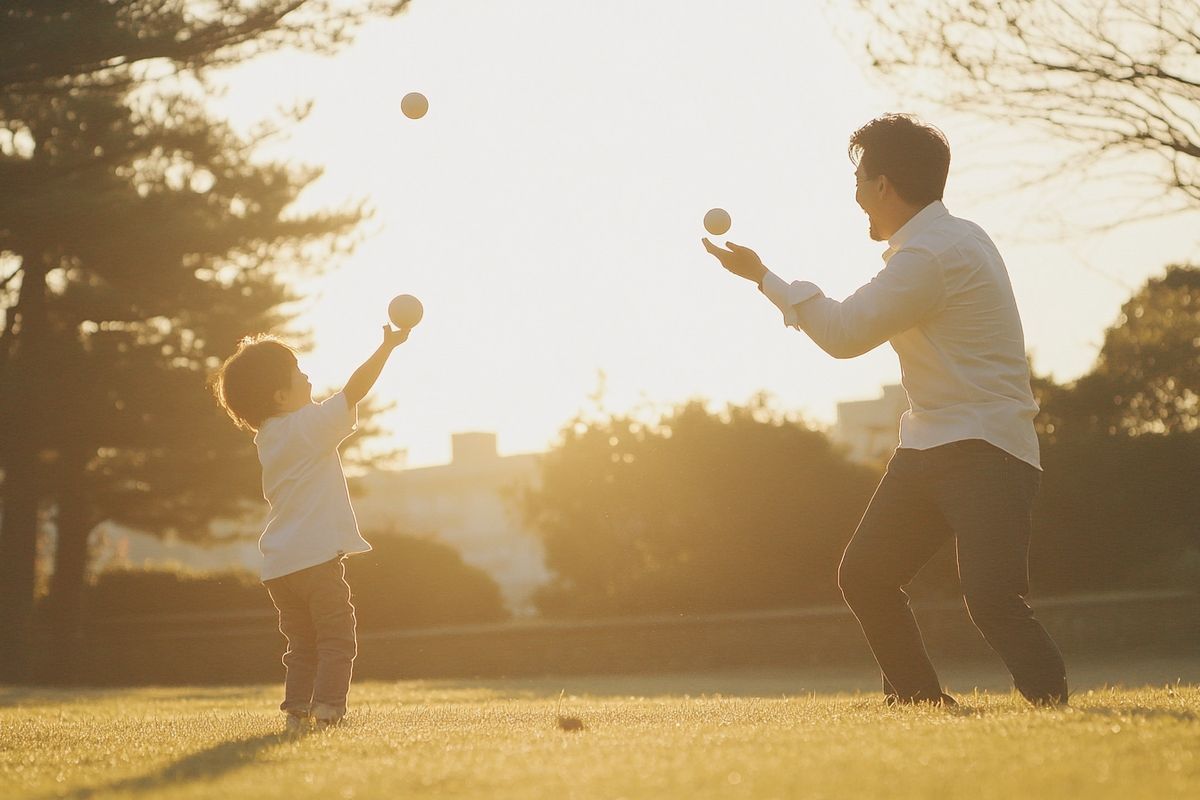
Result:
{"points": [[297, 725], [567, 723], [570, 723]]}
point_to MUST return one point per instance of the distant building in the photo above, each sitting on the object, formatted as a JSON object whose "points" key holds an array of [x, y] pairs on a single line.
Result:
{"points": [[870, 429], [471, 504]]}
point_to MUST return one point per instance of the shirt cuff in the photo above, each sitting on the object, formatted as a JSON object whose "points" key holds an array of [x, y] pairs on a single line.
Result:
{"points": [[786, 296]]}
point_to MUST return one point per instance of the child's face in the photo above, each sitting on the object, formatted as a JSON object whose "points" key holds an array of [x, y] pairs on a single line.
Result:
{"points": [[297, 395]]}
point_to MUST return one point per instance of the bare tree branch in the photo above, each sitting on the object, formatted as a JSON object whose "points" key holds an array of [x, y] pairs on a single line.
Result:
{"points": [[1116, 77]]}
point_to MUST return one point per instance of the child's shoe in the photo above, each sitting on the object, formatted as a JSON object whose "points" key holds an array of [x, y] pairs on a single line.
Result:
{"points": [[297, 724], [325, 717]]}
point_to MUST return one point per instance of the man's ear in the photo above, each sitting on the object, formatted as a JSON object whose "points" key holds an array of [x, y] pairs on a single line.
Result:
{"points": [[280, 396]]}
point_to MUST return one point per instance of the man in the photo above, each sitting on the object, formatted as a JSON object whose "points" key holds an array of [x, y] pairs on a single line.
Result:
{"points": [[967, 465]]}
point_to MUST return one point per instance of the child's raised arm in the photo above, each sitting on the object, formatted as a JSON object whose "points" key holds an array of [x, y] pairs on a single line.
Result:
{"points": [[365, 376]]}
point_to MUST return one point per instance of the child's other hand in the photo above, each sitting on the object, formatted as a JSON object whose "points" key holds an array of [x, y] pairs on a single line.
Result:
{"points": [[393, 337]]}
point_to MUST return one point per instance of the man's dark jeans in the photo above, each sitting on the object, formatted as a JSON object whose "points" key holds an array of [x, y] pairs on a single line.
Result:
{"points": [[983, 498], [317, 618]]}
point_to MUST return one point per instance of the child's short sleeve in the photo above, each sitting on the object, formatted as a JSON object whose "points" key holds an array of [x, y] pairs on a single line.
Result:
{"points": [[325, 425]]}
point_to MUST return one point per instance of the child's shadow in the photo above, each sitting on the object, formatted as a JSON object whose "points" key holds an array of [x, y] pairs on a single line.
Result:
{"points": [[204, 765]]}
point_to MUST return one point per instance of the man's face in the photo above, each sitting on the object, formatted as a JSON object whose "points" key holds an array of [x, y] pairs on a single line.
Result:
{"points": [[297, 395], [868, 193]]}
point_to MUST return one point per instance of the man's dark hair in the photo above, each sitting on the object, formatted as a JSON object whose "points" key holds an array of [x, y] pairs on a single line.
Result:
{"points": [[914, 156], [246, 383]]}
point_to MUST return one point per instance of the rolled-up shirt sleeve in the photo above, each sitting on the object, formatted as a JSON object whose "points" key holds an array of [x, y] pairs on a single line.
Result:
{"points": [[908, 289]]}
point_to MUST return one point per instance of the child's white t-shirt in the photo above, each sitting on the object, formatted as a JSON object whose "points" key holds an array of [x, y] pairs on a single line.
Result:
{"points": [[310, 520]]}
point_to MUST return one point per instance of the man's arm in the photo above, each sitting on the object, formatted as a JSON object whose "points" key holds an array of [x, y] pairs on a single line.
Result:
{"points": [[365, 376], [908, 289]]}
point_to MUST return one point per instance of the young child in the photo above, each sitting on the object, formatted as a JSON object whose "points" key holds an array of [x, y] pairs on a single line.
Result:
{"points": [[310, 526]]}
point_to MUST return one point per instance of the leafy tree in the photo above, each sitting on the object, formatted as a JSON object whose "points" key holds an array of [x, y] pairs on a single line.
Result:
{"points": [[55, 46], [138, 241], [1120, 447], [1114, 77], [121, 313], [697, 512], [409, 581], [1147, 376], [1117, 512]]}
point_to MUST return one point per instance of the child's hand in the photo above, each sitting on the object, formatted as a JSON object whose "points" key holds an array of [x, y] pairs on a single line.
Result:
{"points": [[393, 337], [368, 372]]}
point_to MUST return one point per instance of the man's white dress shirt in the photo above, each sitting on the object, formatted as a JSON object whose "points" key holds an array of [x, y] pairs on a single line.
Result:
{"points": [[945, 303]]}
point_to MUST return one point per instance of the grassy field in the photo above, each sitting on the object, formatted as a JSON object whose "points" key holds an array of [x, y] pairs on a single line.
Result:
{"points": [[706, 736]]}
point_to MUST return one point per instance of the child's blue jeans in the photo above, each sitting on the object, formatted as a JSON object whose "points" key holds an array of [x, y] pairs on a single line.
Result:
{"points": [[316, 617]]}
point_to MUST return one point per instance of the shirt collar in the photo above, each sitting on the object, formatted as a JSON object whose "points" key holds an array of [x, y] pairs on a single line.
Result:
{"points": [[919, 221]]}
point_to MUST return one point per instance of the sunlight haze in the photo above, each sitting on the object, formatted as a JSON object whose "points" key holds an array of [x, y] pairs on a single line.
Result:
{"points": [[547, 210]]}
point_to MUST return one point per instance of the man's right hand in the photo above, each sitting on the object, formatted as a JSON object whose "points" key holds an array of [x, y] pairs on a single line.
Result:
{"points": [[741, 261]]}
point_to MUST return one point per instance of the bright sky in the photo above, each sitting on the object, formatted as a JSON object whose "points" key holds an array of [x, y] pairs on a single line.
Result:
{"points": [[547, 211]]}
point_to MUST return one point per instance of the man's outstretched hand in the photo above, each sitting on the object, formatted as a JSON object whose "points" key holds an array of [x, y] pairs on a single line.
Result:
{"points": [[741, 261]]}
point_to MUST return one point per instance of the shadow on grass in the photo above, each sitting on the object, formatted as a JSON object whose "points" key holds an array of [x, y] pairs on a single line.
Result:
{"points": [[766, 682], [29, 696], [14, 696], [205, 765]]}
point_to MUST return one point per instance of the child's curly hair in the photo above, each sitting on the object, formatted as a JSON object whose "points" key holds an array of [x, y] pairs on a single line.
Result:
{"points": [[246, 383]]}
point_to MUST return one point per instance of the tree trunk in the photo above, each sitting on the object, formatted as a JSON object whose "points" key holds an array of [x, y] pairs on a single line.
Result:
{"points": [[65, 603], [18, 446], [18, 557]]}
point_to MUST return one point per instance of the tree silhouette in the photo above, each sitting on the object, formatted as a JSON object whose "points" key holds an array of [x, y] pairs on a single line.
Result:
{"points": [[410, 581], [1114, 77], [1117, 512], [697, 512], [139, 238], [1147, 376], [54, 46], [1120, 447]]}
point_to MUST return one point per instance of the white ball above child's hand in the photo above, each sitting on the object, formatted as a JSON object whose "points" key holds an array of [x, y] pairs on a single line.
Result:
{"points": [[405, 311], [414, 105]]}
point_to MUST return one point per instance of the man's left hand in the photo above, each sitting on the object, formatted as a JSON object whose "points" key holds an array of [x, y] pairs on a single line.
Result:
{"points": [[741, 261]]}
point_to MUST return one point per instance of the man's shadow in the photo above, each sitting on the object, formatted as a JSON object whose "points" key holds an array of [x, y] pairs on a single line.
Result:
{"points": [[204, 765]]}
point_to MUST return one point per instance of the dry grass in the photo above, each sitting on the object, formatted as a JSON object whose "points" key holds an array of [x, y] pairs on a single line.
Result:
{"points": [[503, 740]]}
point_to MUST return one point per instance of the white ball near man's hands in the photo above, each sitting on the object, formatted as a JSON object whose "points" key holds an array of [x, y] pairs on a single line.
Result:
{"points": [[405, 311], [717, 221], [414, 105]]}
